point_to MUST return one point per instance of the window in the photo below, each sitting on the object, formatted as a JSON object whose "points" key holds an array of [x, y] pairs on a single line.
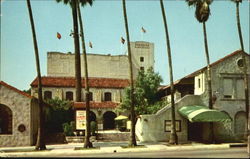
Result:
{"points": [[107, 96], [69, 95], [168, 125], [240, 89], [141, 59], [233, 86], [142, 68], [199, 83], [47, 95], [90, 96]]}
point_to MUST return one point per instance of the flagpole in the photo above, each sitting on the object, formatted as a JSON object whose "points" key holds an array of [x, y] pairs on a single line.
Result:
{"points": [[141, 36], [121, 48]]}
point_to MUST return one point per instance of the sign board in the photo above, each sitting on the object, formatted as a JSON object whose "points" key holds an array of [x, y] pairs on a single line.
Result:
{"points": [[168, 125], [80, 119]]}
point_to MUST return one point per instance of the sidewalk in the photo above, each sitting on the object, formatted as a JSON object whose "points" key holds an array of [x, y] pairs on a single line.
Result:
{"points": [[105, 147]]}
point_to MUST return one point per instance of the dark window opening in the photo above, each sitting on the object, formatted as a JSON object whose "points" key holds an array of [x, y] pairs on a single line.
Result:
{"points": [[199, 83], [107, 96], [5, 120], [90, 96], [47, 95], [141, 59], [69, 96], [142, 68], [228, 96]]}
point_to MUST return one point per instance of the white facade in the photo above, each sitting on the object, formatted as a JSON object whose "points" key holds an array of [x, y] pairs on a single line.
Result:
{"points": [[228, 95], [110, 66]]}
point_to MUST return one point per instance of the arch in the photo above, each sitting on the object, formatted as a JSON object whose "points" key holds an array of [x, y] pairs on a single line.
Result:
{"points": [[6, 118], [47, 95], [69, 95], [92, 116], [109, 120], [107, 96], [240, 124]]}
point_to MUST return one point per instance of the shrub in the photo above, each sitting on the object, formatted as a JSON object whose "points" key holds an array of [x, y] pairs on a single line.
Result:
{"points": [[68, 128]]}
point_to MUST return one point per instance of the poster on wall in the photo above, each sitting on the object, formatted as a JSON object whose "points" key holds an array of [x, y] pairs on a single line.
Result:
{"points": [[80, 119]]}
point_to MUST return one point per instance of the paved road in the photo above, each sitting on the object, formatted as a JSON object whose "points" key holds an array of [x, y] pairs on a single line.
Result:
{"points": [[205, 153], [225, 153]]}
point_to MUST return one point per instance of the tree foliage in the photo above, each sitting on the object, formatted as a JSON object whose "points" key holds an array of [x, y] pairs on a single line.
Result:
{"points": [[59, 112], [146, 86]]}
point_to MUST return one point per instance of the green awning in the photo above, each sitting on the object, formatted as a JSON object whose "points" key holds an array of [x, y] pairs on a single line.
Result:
{"points": [[197, 113]]}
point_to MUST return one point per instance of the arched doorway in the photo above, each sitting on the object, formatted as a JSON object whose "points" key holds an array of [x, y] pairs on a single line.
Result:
{"points": [[5, 120], [92, 116], [109, 120], [240, 124]]}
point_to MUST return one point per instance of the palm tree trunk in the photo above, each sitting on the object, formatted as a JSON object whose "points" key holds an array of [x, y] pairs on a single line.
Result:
{"points": [[87, 143], [245, 74], [173, 136], [132, 141], [40, 143], [77, 53], [209, 84]]}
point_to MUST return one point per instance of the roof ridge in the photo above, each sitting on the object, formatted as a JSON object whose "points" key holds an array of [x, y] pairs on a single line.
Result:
{"points": [[203, 68], [15, 89]]}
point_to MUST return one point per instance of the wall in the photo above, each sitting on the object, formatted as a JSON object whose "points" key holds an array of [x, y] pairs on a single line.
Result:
{"points": [[111, 66], [226, 69], [21, 114], [151, 128]]}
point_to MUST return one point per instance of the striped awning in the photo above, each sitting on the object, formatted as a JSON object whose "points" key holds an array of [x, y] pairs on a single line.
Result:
{"points": [[195, 113]]}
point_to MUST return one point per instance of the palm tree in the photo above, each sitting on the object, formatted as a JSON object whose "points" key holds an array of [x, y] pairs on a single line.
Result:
{"points": [[132, 140], [173, 136], [87, 143], [73, 4], [244, 66], [202, 13], [40, 143]]}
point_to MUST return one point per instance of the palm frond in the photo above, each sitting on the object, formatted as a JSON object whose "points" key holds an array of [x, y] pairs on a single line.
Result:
{"points": [[237, 1], [192, 2], [85, 2]]}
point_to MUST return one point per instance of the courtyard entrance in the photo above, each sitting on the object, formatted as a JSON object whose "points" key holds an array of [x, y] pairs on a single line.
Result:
{"points": [[109, 120]]}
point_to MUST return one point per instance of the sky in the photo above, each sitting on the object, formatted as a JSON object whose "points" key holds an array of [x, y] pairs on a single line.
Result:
{"points": [[104, 26]]}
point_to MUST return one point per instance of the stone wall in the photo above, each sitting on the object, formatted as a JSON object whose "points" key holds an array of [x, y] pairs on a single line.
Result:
{"points": [[21, 114]]}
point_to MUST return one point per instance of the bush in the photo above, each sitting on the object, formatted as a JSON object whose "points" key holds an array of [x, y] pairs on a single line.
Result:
{"points": [[93, 127], [58, 113], [68, 128]]}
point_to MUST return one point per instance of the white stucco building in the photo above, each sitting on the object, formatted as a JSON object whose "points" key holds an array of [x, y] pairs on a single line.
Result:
{"points": [[191, 90]]}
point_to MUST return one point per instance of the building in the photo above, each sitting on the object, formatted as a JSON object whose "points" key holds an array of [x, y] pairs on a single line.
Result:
{"points": [[108, 76], [18, 117], [191, 94]]}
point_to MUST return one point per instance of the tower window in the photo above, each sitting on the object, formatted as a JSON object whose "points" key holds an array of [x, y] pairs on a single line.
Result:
{"points": [[142, 68], [141, 59]]}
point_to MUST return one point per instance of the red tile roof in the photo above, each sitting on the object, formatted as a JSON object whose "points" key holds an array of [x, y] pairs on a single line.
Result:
{"points": [[204, 68], [15, 89], [94, 105], [93, 82]]}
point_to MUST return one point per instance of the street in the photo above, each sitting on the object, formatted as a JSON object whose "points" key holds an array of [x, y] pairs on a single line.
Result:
{"points": [[204, 153]]}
